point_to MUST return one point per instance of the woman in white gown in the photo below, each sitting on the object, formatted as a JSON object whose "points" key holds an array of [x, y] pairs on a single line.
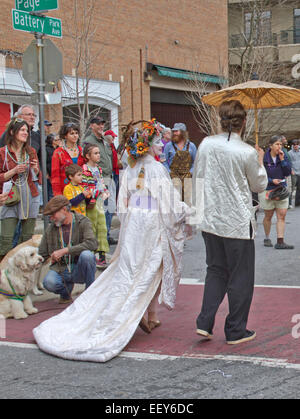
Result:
{"points": [[145, 266]]}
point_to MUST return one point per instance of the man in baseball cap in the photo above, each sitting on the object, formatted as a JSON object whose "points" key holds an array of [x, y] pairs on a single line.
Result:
{"points": [[70, 244], [179, 126], [97, 120], [180, 154]]}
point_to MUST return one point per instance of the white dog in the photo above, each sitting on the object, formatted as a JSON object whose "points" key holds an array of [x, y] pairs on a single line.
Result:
{"points": [[34, 241], [17, 279]]}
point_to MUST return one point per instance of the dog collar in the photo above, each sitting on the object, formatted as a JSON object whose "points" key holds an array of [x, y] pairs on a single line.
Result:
{"points": [[13, 296]]}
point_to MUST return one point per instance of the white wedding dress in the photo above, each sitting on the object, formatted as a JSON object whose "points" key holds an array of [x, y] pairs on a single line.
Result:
{"points": [[102, 320]]}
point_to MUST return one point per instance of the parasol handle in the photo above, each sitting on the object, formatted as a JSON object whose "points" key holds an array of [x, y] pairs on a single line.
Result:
{"points": [[256, 125]]}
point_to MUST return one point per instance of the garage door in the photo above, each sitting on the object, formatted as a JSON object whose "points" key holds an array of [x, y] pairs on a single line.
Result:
{"points": [[169, 113]]}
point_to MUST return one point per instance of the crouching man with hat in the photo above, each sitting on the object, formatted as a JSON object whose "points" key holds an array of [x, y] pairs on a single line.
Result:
{"points": [[70, 243]]}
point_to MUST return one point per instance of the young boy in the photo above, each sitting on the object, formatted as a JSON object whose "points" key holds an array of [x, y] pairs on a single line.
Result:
{"points": [[74, 192]]}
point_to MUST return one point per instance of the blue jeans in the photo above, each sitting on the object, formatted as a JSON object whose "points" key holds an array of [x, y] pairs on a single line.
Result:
{"points": [[82, 273], [108, 218], [17, 234]]}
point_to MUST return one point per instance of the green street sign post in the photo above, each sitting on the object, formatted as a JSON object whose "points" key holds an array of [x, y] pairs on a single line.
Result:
{"points": [[36, 5], [28, 16], [27, 22]]}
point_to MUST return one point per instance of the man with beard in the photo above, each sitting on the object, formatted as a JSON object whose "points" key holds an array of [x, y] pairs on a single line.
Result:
{"points": [[180, 154], [226, 171], [70, 243]]}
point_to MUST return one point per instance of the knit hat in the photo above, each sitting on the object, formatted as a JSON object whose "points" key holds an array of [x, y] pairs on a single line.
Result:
{"points": [[55, 204]]}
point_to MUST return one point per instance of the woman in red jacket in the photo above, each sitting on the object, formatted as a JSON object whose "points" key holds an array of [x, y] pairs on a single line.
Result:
{"points": [[69, 153]]}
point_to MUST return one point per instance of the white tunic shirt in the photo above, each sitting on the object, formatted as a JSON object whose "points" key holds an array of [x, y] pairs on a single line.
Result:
{"points": [[225, 174]]}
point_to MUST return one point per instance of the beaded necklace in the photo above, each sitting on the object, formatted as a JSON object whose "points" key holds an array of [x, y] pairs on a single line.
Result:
{"points": [[68, 259], [70, 150], [21, 180]]}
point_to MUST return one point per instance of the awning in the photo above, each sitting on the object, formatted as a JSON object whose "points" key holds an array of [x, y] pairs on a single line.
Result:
{"points": [[177, 73]]}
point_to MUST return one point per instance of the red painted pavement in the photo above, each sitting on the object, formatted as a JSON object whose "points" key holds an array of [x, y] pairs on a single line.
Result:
{"points": [[271, 317]]}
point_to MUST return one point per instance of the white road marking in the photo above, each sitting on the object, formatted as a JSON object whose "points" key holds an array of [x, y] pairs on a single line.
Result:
{"points": [[266, 362], [19, 345], [142, 356], [195, 281]]}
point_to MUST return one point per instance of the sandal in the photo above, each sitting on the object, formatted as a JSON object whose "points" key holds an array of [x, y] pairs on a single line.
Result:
{"points": [[144, 325], [154, 323]]}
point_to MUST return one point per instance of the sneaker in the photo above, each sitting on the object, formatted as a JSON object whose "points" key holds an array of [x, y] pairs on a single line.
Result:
{"points": [[112, 241], [204, 334], [101, 263], [65, 300], [283, 246], [249, 335], [268, 243]]}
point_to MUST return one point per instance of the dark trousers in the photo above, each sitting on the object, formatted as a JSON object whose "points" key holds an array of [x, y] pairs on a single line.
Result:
{"points": [[230, 269], [296, 183]]}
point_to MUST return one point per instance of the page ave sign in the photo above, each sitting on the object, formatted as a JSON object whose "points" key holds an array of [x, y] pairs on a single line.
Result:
{"points": [[36, 5], [24, 21]]}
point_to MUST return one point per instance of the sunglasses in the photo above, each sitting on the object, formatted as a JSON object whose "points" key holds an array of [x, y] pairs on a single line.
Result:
{"points": [[18, 120], [70, 124]]}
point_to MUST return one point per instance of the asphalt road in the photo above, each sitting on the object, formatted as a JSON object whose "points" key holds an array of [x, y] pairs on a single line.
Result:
{"points": [[29, 373], [273, 267]]}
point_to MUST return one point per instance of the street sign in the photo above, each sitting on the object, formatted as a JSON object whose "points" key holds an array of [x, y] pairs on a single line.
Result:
{"points": [[52, 64], [36, 5], [24, 21], [49, 98]]}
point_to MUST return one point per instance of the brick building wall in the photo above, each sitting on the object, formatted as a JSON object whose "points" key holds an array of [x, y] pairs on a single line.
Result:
{"points": [[127, 34]]}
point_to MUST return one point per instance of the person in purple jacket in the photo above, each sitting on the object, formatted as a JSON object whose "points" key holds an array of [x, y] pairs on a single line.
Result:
{"points": [[278, 167]]}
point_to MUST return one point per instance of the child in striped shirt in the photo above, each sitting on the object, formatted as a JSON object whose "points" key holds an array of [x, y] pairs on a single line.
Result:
{"points": [[74, 192]]}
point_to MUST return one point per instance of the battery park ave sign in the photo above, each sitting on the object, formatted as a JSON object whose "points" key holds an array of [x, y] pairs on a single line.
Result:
{"points": [[27, 22]]}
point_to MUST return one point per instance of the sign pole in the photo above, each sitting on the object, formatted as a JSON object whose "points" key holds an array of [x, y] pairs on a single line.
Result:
{"points": [[41, 96]]}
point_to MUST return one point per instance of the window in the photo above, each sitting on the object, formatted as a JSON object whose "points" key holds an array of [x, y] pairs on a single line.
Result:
{"points": [[258, 27], [71, 114], [296, 26]]}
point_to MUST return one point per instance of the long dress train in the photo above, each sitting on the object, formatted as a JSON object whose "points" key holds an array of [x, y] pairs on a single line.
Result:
{"points": [[102, 320]]}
